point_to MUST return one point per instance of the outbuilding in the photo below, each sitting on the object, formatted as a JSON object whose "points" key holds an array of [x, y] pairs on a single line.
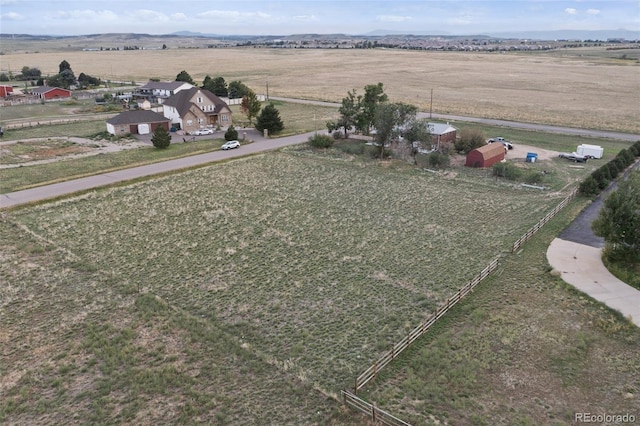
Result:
{"points": [[139, 122], [48, 93], [485, 156], [6, 91], [442, 134]]}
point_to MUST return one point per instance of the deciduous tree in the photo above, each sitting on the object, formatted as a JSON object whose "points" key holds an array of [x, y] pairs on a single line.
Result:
{"points": [[373, 96], [250, 105], [619, 220]]}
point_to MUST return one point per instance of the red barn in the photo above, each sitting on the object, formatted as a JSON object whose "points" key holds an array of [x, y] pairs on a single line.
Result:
{"points": [[485, 156], [48, 93], [6, 91]]}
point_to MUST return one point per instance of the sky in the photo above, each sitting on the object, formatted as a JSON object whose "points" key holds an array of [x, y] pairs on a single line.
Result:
{"points": [[252, 17]]}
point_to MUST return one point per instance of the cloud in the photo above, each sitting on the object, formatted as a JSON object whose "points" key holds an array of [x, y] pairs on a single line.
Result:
{"points": [[305, 18], [393, 18], [147, 15], [232, 15], [593, 11], [84, 15], [179, 16], [571, 11], [11, 16]]}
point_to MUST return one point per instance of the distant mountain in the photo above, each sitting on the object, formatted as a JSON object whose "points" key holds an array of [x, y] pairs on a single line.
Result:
{"points": [[531, 35]]}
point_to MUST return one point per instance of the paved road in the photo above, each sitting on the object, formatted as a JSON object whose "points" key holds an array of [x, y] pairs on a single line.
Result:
{"points": [[52, 191], [580, 229], [503, 123], [259, 145]]}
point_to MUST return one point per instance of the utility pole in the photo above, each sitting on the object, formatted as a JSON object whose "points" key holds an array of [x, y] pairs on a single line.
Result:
{"points": [[267, 90]]}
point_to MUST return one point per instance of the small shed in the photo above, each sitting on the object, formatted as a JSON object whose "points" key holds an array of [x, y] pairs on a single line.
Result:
{"points": [[442, 134], [136, 122], [485, 156], [6, 91], [48, 93]]}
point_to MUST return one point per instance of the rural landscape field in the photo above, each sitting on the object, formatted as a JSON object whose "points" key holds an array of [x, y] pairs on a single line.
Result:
{"points": [[252, 291], [582, 88]]}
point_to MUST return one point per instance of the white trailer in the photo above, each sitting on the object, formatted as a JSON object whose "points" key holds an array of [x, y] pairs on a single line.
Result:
{"points": [[594, 151]]}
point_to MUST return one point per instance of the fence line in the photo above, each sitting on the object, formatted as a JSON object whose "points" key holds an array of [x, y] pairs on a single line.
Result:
{"points": [[531, 232], [371, 372], [376, 414]]}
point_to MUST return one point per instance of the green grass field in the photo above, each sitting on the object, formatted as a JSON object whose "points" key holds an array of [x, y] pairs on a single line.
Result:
{"points": [[308, 265]]}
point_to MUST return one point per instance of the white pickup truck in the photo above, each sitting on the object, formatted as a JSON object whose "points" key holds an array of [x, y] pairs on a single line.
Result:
{"points": [[507, 144]]}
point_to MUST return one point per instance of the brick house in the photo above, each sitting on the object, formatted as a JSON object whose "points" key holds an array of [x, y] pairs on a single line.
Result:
{"points": [[442, 134], [196, 108]]}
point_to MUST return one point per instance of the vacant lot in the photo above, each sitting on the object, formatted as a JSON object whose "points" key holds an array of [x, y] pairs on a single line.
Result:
{"points": [[283, 273], [590, 92]]}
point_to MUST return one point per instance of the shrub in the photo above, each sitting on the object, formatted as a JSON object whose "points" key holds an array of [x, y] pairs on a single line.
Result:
{"points": [[533, 176], [625, 157], [469, 139], [354, 148], [231, 134], [603, 176], [438, 160], [589, 186], [614, 166], [507, 170], [321, 141], [337, 134]]}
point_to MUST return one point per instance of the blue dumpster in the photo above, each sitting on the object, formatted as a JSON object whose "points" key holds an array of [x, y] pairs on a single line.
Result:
{"points": [[532, 157]]}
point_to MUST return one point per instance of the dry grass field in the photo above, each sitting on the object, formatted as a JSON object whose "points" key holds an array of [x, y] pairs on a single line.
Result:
{"points": [[587, 91]]}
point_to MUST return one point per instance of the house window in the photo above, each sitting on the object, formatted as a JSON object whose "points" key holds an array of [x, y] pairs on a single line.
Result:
{"points": [[200, 120], [225, 118], [199, 100], [189, 122]]}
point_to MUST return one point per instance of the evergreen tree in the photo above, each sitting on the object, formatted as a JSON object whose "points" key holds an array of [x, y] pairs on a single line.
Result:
{"points": [[161, 138], [270, 120], [184, 76]]}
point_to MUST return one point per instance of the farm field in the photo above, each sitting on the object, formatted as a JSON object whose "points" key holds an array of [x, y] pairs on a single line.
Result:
{"points": [[589, 91], [279, 274], [526, 348]]}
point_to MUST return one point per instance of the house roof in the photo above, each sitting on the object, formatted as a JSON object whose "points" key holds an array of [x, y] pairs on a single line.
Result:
{"points": [[491, 150], [182, 100], [440, 128], [45, 89], [164, 85], [136, 117]]}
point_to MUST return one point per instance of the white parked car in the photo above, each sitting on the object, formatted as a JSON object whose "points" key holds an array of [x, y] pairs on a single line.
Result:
{"points": [[231, 145], [202, 132]]}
